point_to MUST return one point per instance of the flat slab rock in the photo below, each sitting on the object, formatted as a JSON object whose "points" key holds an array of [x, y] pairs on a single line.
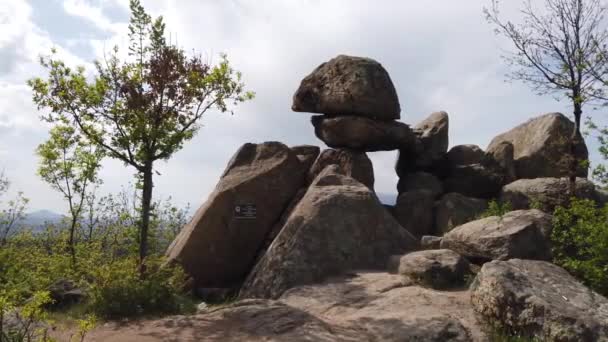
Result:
{"points": [[517, 234], [366, 306], [537, 298]]}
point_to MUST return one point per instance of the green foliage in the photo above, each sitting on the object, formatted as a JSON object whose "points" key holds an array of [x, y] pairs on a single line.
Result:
{"points": [[580, 242], [600, 172], [25, 323], [118, 290], [501, 335], [496, 208]]}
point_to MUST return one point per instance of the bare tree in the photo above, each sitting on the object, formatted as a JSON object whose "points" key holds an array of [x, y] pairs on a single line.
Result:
{"points": [[559, 50]]}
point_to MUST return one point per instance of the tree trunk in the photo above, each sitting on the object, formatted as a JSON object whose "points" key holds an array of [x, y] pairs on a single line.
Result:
{"points": [[71, 247], [574, 139], [146, 201]]}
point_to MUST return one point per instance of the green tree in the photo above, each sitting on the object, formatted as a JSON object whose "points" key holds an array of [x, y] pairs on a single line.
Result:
{"points": [[69, 163], [13, 212], [142, 109], [600, 172], [559, 49]]}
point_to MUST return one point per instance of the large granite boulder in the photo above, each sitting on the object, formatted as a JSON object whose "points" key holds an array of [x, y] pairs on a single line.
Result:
{"points": [[465, 155], [540, 300], [362, 134], [414, 212], [544, 193], [420, 181], [352, 163], [338, 226], [348, 85], [219, 245], [542, 147], [518, 234], [454, 209], [439, 268], [475, 180]]}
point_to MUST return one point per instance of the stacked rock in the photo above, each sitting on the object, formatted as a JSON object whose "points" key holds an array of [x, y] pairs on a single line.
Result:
{"points": [[359, 104]]}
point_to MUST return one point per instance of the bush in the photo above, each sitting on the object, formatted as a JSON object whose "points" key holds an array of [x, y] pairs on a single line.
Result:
{"points": [[580, 242], [118, 290], [496, 208], [27, 323]]}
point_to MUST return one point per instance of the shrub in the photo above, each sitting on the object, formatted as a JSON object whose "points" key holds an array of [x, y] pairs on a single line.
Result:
{"points": [[580, 242], [496, 208], [26, 323], [118, 290]]}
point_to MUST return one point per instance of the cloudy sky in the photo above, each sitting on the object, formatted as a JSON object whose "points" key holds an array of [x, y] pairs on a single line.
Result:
{"points": [[441, 55]]}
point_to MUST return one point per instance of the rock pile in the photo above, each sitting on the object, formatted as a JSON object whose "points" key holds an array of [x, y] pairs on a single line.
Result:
{"points": [[282, 219]]}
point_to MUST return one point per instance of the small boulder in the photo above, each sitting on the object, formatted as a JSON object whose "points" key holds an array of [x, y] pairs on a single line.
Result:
{"points": [[454, 209], [518, 234], [64, 292], [475, 180], [503, 155], [362, 134], [348, 85], [430, 242], [544, 193], [219, 245], [337, 227], [465, 155], [420, 181], [307, 154], [414, 212], [539, 300], [439, 269], [351, 163], [542, 147], [433, 135]]}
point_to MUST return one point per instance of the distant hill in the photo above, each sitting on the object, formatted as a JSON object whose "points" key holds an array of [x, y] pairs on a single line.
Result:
{"points": [[37, 219]]}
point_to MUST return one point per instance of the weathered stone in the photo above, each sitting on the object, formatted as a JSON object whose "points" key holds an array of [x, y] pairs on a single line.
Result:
{"points": [[64, 292], [353, 164], [541, 300], [362, 134], [465, 155], [438, 268], [475, 180], [544, 193], [430, 242], [218, 246], [307, 154], [454, 209], [420, 181], [518, 234], [503, 154], [348, 85], [601, 196], [542, 147], [414, 212], [338, 226], [433, 135]]}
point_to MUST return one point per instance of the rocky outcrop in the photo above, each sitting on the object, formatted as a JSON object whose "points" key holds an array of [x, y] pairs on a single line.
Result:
{"points": [[541, 300], [307, 154], [430, 242], [503, 153], [219, 245], [319, 240], [433, 134], [475, 180], [465, 155], [362, 134], [348, 85], [351, 163], [518, 234], [439, 268], [420, 181], [541, 147], [454, 209], [414, 212], [544, 193]]}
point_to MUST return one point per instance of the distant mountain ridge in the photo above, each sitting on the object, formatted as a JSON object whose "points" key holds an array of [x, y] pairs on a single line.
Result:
{"points": [[37, 219]]}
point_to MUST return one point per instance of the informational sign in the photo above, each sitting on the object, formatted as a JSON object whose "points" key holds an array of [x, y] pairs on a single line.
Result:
{"points": [[245, 211]]}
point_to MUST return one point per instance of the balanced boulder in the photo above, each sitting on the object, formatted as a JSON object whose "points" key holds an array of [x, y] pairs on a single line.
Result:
{"points": [[362, 134], [219, 245], [351, 163], [544, 193], [454, 209], [465, 155], [337, 227], [537, 299], [542, 147], [439, 268], [518, 234], [348, 85]]}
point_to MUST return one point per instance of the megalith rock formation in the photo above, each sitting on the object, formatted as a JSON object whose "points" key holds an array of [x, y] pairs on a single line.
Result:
{"points": [[339, 225], [218, 247], [542, 147], [351, 163], [347, 85], [537, 299]]}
